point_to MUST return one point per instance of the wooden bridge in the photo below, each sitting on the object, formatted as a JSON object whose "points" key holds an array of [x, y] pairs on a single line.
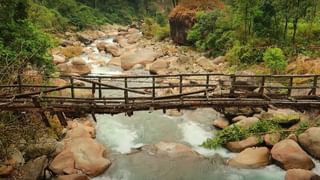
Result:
{"points": [[126, 94]]}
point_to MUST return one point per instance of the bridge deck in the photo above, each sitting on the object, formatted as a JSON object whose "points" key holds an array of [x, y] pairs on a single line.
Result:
{"points": [[118, 94]]}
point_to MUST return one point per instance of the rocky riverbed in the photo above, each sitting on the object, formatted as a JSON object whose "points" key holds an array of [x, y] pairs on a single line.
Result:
{"points": [[165, 146]]}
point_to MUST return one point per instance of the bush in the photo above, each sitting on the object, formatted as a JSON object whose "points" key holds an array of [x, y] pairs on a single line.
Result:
{"points": [[72, 51], [22, 43], [275, 60], [236, 133], [212, 32], [244, 54], [151, 29], [46, 18]]}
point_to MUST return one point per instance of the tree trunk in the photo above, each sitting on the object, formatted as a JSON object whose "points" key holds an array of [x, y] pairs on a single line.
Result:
{"points": [[295, 28]]}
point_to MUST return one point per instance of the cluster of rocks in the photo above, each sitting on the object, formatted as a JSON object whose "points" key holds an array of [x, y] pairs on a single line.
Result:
{"points": [[293, 153], [81, 155], [129, 51]]}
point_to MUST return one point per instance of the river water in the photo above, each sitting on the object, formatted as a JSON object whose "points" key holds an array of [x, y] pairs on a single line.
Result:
{"points": [[122, 135]]}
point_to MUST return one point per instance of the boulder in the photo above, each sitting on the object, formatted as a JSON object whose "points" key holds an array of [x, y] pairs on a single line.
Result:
{"points": [[140, 56], [109, 48], [78, 61], [74, 177], [15, 157], [34, 169], [272, 139], [301, 174], [123, 42], [221, 123], [231, 112], [81, 155], [174, 113], [74, 68], [113, 49], [43, 146], [238, 146], [5, 170], [310, 141], [219, 60], [134, 38], [238, 118], [293, 137], [281, 116], [133, 31], [159, 65], [247, 122], [289, 155], [251, 158], [115, 61], [57, 59], [206, 64], [80, 130], [174, 149]]}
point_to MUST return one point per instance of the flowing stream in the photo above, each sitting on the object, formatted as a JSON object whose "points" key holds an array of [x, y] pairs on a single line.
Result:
{"points": [[123, 135]]}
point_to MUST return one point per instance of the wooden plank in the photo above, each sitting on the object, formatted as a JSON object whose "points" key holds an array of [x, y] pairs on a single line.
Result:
{"points": [[184, 94], [72, 87], [23, 95], [115, 87]]}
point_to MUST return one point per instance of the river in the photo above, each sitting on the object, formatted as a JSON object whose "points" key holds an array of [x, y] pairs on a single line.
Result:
{"points": [[123, 135]]}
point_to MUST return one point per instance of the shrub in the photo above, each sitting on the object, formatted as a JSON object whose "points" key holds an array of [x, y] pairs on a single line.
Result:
{"points": [[212, 32], [24, 43], [151, 29], [72, 51], [275, 60], [245, 54], [237, 133]]}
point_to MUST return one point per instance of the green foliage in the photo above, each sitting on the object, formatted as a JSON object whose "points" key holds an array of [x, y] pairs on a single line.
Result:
{"points": [[151, 29], [229, 134], [275, 60], [22, 43], [236, 133], [245, 54], [212, 32], [75, 13], [45, 18], [303, 126]]}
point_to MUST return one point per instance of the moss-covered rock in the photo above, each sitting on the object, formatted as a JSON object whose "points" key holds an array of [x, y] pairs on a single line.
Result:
{"points": [[282, 116]]}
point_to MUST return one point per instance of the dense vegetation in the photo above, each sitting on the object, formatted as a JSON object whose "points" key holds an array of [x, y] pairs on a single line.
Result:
{"points": [[245, 29], [26, 25]]}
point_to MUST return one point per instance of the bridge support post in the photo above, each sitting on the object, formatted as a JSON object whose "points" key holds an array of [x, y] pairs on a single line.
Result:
{"points": [[126, 90], [207, 84], [72, 87], [36, 103], [315, 85], [261, 90], [62, 119], [100, 88], [20, 83], [233, 82], [290, 86]]}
